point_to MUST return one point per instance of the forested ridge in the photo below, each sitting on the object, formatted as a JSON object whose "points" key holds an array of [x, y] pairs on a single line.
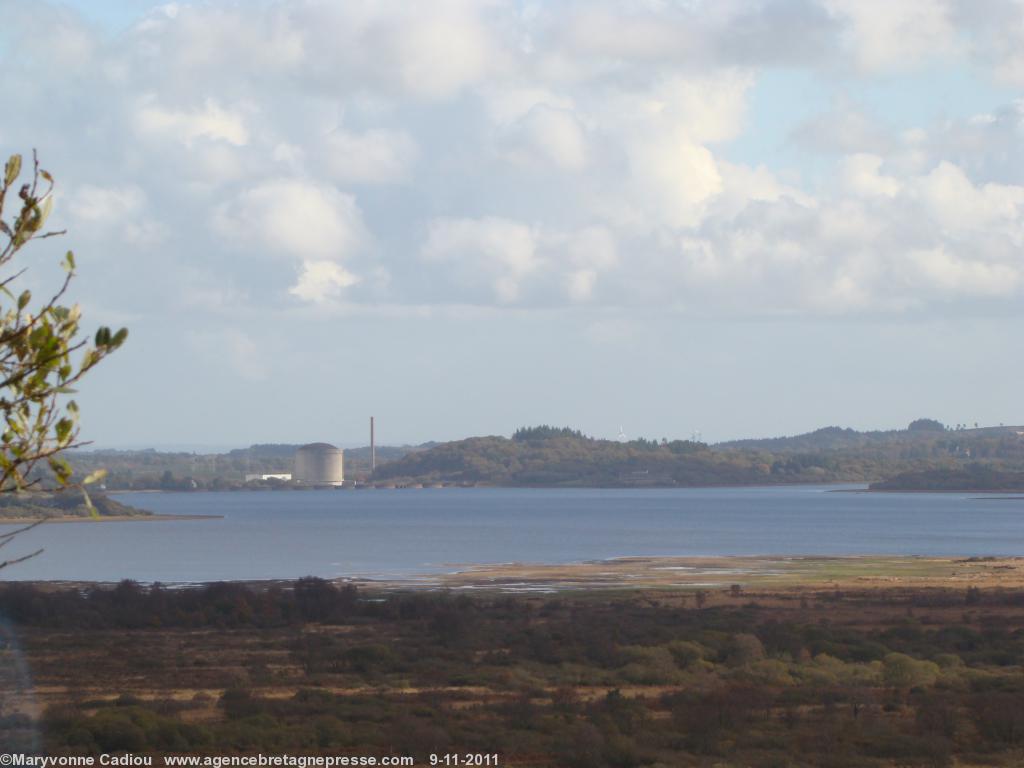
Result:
{"points": [[925, 454], [547, 456]]}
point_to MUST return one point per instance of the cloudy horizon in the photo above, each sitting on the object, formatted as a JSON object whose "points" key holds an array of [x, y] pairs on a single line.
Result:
{"points": [[742, 218]]}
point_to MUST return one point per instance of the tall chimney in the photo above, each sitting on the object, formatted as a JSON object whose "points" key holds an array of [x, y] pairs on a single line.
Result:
{"points": [[373, 450]]}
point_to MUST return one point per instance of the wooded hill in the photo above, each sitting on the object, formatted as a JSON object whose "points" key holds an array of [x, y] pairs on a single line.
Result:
{"points": [[69, 503], [550, 456], [547, 456], [974, 477]]}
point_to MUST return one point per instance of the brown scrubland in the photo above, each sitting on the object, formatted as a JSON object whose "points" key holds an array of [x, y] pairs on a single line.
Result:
{"points": [[833, 662]]}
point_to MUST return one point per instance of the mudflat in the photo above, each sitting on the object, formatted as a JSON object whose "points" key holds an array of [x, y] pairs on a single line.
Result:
{"points": [[711, 573]]}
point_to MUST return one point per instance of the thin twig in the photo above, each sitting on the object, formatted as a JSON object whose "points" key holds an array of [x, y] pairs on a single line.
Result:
{"points": [[8, 536], [17, 560]]}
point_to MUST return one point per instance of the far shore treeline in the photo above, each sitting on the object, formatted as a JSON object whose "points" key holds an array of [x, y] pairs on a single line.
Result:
{"points": [[924, 456]]}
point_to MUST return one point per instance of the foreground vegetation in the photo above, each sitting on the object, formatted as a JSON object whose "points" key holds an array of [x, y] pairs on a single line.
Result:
{"points": [[872, 678]]}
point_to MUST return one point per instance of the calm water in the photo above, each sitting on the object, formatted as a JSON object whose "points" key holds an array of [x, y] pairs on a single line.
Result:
{"points": [[399, 533]]}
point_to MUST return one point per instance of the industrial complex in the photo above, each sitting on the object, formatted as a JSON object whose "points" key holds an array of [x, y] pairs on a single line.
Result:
{"points": [[319, 464]]}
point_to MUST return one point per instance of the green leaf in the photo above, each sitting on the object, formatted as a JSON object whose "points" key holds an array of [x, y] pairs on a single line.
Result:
{"points": [[89, 505], [12, 169], [44, 211], [93, 477], [24, 299], [63, 430]]}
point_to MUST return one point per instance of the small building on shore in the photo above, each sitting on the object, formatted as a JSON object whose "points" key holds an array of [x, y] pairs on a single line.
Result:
{"points": [[283, 476]]}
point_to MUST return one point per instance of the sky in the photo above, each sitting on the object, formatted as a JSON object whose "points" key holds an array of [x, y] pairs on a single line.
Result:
{"points": [[738, 217]]}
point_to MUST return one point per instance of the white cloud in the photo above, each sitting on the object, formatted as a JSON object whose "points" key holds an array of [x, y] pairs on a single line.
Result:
{"points": [[879, 243], [373, 157], [430, 52], [490, 153], [598, 29], [959, 275], [580, 284], [91, 204], [499, 251], [120, 210], [296, 217], [861, 176], [742, 185], [506, 105], [896, 34], [592, 247], [211, 121], [957, 204], [554, 136], [178, 43], [674, 176], [666, 133], [707, 109], [588, 254], [447, 48], [322, 280]]}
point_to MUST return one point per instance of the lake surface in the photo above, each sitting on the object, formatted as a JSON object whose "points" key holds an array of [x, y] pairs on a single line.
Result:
{"points": [[403, 533]]}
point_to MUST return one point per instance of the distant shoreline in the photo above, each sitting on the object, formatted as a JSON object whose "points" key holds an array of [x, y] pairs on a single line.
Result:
{"points": [[831, 486], [989, 493], [106, 519]]}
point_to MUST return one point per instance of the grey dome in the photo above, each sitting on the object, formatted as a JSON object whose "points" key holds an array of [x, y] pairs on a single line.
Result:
{"points": [[319, 464]]}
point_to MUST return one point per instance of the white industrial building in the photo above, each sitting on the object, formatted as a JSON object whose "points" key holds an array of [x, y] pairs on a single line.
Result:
{"points": [[319, 464]]}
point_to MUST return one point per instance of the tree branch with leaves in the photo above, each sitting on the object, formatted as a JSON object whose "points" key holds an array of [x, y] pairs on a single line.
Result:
{"points": [[43, 353]]}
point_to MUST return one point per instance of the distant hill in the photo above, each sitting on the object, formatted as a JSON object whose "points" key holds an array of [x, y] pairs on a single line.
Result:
{"points": [[286, 451], [919, 432], [549, 456], [978, 478], [557, 458], [40, 504], [179, 471], [562, 456]]}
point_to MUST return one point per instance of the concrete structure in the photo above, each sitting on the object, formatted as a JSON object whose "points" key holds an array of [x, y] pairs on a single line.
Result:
{"points": [[272, 476], [373, 449], [319, 464]]}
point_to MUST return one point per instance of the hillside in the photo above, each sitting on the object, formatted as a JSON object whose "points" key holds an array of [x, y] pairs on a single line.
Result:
{"points": [[40, 504], [179, 471], [922, 432], [976, 477], [545, 456], [548, 456]]}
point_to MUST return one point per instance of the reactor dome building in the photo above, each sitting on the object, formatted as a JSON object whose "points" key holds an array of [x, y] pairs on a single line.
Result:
{"points": [[319, 464]]}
